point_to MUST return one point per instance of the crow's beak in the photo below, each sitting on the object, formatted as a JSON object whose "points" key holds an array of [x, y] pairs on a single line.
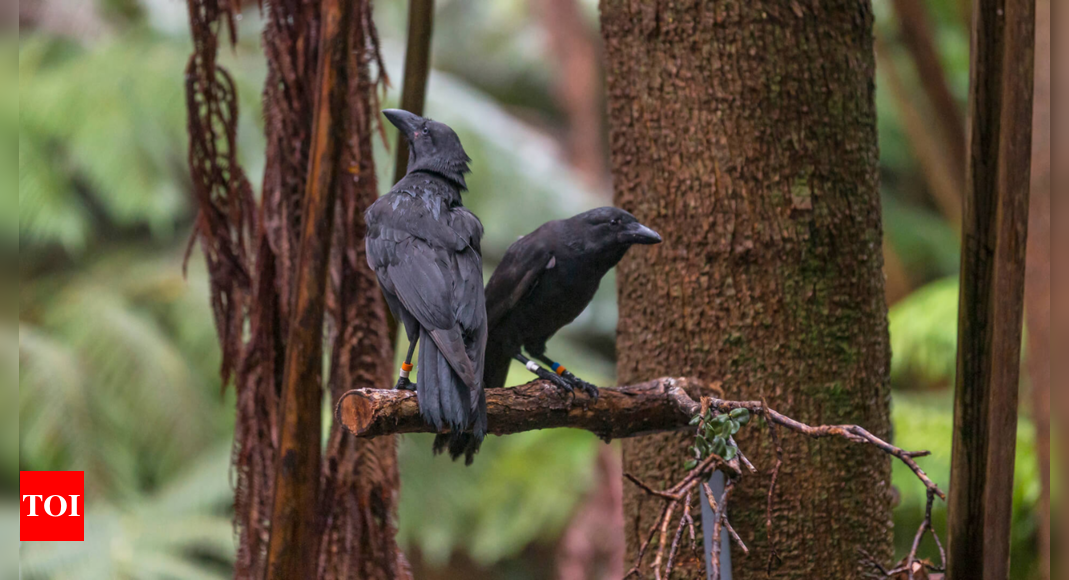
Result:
{"points": [[640, 234], [407, 122]]}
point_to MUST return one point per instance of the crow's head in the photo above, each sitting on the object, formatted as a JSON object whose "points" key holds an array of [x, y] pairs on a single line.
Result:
{"points": [[432, 146], [611, 229]]}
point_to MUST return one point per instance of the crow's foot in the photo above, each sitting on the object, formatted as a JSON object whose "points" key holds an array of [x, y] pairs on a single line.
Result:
{"points": [[556, 379], [404, 384], [578, 383]]}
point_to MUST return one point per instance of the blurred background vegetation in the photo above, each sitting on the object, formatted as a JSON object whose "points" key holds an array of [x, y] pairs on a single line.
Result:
{"points": [[117, 357]]}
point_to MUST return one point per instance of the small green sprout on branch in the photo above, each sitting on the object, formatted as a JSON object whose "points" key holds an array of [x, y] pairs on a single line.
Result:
{"points": [[716, 435]]}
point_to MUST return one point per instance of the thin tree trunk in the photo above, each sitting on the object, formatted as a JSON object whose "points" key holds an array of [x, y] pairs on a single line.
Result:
{"points": [[1037, 278], [359, 486], [746, 134], [294, 538], [994, 236]]}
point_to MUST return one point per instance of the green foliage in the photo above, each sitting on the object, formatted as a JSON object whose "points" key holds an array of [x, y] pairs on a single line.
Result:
{"points": [[9, 130], [153, 536], [924, 336], [102, 138], [118, 368], [714, 435], [928, 245], [520, 489], [113, 119]]}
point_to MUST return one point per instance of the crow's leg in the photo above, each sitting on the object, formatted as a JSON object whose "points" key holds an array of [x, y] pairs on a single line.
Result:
{"points": [[406, 367], [544, 374], [576, 382]]}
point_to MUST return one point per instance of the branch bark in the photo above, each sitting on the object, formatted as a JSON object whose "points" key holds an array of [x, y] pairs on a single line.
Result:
{"points": [[658, 405], [664, 404]]}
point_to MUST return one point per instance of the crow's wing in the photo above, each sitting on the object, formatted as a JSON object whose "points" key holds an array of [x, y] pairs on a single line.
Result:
{"points": [[418, 259], [518, 273]]}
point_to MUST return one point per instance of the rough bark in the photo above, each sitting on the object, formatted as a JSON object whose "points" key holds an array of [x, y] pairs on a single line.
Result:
{"points": [[655, 405], [1037, 278], [745, 133], [294, 541]]}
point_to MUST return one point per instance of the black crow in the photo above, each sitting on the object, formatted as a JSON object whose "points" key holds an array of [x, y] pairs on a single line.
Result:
{"points": [[423, 245], [545, 280]]}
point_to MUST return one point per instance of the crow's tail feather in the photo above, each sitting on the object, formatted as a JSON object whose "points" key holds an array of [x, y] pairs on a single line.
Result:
{"points": [[464, 442], [445, 401]]}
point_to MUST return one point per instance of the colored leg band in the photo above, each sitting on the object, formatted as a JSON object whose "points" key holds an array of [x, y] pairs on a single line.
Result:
{"points": [[532, 366], [558, 368], [405, 369]]}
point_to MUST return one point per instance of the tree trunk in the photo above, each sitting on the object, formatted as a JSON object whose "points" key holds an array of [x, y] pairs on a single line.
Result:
{"points": [[745, 133], [358, 479]]}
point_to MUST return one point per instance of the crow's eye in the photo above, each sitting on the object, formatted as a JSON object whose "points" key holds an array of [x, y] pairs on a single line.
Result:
{"points": [[425, 131], [614, 222]]}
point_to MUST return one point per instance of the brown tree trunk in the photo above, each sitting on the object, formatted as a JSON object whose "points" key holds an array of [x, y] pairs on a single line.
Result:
{"points": [[991, 294], [745, 133], [358, 496], [358, 481]]}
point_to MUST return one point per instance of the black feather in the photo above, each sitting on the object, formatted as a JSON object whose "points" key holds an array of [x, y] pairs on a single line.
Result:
{"points": [[548, 277], [424, 247]]}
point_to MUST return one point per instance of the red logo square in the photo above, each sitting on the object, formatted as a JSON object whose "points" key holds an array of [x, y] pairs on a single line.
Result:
{"points": [[52, 506]]}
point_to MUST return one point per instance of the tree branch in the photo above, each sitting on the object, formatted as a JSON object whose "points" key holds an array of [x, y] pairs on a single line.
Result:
{"points": [[658, 405]]}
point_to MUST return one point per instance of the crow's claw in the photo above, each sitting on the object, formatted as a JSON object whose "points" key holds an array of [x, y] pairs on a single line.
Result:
{"points": [[579, 383], [556, 379], [404, 384]]}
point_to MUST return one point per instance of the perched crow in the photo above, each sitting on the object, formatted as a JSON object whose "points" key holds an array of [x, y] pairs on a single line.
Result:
{"points": [[424, 247], [545, 280]]}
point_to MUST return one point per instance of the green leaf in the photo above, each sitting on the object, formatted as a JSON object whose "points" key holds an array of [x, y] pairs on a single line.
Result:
{"points": [[720, 446], [741, 415], [694, 420], [690, 464], [730, 452]]}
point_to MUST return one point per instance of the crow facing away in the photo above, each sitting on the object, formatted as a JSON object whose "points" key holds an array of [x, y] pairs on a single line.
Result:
{"points": [[545, 280], [423, 245]]}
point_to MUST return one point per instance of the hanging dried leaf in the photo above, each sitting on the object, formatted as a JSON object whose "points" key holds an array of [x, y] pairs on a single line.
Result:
{"points": [[226, 207]]}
